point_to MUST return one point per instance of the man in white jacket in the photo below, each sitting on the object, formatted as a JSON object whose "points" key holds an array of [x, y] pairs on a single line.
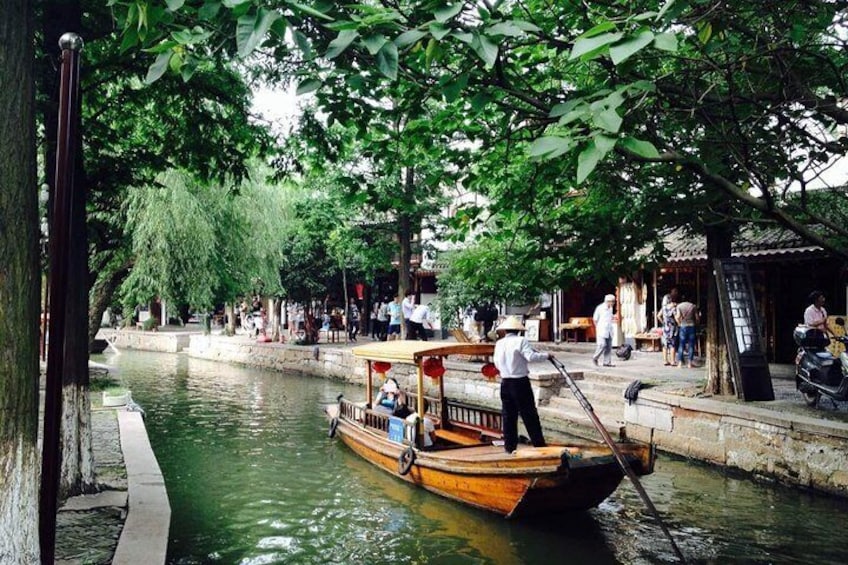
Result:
{"points": [[511, 356], [604, 318]]}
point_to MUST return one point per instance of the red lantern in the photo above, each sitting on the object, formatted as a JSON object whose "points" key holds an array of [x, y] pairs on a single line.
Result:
{"points": [[433, 367], [490, 371], [381, 366]]}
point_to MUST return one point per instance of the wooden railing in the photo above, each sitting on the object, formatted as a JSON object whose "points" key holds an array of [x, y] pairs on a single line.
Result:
{"points": [[483, 420], [486, 420], [378, 421]]}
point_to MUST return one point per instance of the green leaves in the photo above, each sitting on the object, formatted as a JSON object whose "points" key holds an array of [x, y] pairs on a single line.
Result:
{"points": [[589, 47], [309, 10], [639, 148], [589, 158], [666, 42], [409, 37], [308, 85], [623, 50], [447, 12], [485, 49], [341, 42], [550, 146], [158, 68], [251, 30], [608, 120], [387, 60], [454, 88], [605, 38], [373, 43]]}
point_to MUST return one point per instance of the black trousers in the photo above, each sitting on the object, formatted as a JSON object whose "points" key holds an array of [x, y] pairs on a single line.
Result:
{"points": [[416, 331], [517, 399]]}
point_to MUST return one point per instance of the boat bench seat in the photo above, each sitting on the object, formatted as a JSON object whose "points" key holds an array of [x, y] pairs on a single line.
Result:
{"points": [[456, 437], [484, 432]]}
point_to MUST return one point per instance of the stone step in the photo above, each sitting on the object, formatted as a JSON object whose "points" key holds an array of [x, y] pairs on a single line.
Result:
{"points": [[593, 387], [578, 424], [604, 411]]}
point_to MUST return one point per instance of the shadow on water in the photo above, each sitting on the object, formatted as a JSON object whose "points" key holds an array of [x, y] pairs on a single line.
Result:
{"points": [[254, 479]]}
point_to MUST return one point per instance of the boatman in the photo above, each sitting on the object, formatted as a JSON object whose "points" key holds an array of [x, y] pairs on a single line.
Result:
{"points": [[512, 353]]}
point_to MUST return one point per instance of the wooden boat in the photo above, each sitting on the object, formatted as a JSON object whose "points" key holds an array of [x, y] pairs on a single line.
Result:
{"points": [[468, 463]]}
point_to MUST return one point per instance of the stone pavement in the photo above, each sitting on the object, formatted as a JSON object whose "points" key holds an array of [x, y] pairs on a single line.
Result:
{"points": [[88, 526], [648, 367]]}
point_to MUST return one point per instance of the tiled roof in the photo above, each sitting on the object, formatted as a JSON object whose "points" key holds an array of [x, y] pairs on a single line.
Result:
{"points": [[751, 241]]}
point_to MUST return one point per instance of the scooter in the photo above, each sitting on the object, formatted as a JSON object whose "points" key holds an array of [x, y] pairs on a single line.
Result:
{"points": [[817, 371]]}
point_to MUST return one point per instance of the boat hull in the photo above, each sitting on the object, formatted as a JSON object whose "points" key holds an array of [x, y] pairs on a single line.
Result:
{"points": [[532, 481]]}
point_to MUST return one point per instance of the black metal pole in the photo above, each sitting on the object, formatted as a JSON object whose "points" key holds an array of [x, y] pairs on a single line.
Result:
{"points": [[622, 462], [71, 45]]}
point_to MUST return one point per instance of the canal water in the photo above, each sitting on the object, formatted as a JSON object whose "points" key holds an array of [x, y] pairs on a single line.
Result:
{"points": [[253, 479]]}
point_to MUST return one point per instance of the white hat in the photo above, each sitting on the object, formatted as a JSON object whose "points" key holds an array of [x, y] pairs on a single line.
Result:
{"points": [[609, 298], [512, 323]]}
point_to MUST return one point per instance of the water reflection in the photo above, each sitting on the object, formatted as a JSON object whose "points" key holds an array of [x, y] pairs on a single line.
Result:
{"points": [[253, 479]]}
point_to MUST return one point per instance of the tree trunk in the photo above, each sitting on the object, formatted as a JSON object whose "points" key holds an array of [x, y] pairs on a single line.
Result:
{"points": [[19, 290], [345, 313], [77, 474], [101, 296], [230, 314], [719, 379], [405, 238]]}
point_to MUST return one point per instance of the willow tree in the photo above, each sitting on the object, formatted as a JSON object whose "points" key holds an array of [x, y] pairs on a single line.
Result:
{"points": [[19, 290]]}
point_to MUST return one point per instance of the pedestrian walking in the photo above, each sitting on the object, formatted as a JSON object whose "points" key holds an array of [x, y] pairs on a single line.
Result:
{"points": [[604, 318]]}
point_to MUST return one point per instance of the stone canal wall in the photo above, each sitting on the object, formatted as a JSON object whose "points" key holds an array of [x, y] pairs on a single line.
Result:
{"points": [[466, 382], [790, 448], [165, 342]]}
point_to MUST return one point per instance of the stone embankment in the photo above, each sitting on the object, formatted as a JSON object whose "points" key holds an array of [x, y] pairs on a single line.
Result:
{"points": [[781, 440], [128, 520]]}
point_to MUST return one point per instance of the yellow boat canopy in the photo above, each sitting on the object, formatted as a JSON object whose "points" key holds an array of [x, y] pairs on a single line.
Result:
{"points": [[413, 351]]}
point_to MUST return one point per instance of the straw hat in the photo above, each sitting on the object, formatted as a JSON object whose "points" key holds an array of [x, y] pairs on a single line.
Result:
{"points": [[512, 323]]}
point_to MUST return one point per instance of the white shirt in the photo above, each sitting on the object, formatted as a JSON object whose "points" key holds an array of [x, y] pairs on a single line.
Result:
{"points": [[429, 427], [420, 314], [815, 317], [408, 306], [512, 353], [603, 321]]}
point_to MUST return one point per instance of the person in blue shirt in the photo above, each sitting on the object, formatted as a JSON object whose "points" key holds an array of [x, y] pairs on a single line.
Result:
{"points": [[511, 356], [395, 318], [388, 397]]}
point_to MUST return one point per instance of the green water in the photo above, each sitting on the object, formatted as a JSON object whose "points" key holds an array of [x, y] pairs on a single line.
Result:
{"points": [[254, 479]]}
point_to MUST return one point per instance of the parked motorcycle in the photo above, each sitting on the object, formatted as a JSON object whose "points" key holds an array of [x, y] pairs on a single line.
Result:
{"points": [[817, 371]]}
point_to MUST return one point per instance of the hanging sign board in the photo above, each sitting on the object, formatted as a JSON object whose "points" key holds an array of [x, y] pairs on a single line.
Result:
{"points": [[742, 331], [395, 429]]}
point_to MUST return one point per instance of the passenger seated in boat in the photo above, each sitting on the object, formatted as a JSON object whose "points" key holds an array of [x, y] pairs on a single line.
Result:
{"points": [[402, 409], [429, 426], [387, 399]]}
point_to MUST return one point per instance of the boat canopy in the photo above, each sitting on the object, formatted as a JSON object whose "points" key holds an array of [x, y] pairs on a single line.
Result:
{"points": [[413, 351]]}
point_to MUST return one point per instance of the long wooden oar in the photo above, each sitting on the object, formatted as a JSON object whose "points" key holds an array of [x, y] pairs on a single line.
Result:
{"points": [[625, 466]]}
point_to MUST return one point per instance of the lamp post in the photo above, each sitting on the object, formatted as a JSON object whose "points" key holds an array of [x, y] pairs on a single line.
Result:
{"points": [[60, 232]]}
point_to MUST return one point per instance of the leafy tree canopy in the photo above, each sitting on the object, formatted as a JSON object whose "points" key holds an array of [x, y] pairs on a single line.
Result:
{"points": [[745, 99]]}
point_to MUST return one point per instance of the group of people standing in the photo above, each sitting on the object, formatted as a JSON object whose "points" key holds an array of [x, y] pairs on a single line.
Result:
{"points": [[387, 317], [678, 318]]}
